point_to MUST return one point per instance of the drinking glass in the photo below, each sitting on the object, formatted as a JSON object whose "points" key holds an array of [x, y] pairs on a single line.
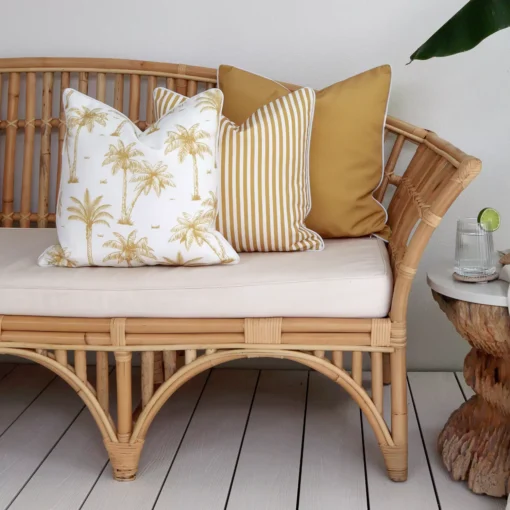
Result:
{"points": [[474, 251]]}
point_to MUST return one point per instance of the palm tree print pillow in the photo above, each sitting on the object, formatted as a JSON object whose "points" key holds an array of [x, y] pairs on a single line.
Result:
{"points": [[131, 198]]}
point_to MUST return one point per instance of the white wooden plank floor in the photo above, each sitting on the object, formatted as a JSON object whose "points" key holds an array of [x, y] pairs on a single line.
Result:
{"points": [[229, 439]]}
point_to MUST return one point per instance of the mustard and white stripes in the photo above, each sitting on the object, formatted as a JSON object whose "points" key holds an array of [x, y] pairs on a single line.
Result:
{"points": [[265, 189], [165, 100]]}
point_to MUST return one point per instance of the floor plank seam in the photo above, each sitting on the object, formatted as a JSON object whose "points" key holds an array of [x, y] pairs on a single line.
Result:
{"points": [[303, 442], [45, 457], [181, 441], [423, 443], [9, 372], [367, 491], [28, 406], [93, 485], [460, 386], [242, 439]]}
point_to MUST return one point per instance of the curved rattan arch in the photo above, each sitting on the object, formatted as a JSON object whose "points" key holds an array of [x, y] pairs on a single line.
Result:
{"points": [[100, 417], [205, 362]]}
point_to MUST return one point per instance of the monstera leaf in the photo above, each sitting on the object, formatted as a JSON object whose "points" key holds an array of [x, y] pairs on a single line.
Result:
{"points": [[477, 20]]}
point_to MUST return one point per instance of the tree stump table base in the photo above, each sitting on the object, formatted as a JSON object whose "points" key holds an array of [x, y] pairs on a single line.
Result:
{"points": [[475, 447], [475, 442]]}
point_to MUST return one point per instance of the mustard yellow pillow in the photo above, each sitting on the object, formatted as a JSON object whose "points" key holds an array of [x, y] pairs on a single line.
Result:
{"points": [[346, 148], [264, 193]]}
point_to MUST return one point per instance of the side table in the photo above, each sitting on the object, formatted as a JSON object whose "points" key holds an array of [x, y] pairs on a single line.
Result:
{"points": [[475, 442]]}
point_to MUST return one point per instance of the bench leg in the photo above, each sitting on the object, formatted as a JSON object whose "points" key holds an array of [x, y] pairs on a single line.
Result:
{"points": [[124, 455], [396, 456], [124, 458]]}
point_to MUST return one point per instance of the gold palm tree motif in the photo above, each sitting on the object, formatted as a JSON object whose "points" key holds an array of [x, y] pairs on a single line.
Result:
{"points": [[91, 213], [68, 95], [210, 100], [129, 250], [211, 203], [211, 212], [125, 120], [150, 178], [195, 229], [187, 141], [181, 261], [122, 157], [58, 256], [81, 118], [118, 131]]}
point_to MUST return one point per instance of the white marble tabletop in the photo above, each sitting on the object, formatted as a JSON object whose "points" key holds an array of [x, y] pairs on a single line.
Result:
{"points": [[494, 293]]}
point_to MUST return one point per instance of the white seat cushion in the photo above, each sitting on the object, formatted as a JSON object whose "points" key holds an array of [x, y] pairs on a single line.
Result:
{"points": [[350, 278]]}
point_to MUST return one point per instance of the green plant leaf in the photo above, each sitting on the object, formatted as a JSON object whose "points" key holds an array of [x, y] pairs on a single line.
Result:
{"points": [[477, 20]]}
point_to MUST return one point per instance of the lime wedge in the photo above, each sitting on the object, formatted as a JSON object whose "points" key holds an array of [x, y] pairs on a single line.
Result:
{"points": [[489, 219]]}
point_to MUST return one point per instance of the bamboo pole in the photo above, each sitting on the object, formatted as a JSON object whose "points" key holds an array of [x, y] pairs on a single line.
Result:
{"points": [[134, 98], [10, 150], [191, 88], [80, 365], [114, 66], [397, 464], [118, 99], [159, 375], [399, 397], [181, 86], [103, 346], [152, 83], [101, 87], [377, 380], [147, 377], [28, 152], [124, 396], [61, 357], [45, 161], [83, 82], [357, 367], [190, 355], [102, 381], [338, 359], [169, 363]]}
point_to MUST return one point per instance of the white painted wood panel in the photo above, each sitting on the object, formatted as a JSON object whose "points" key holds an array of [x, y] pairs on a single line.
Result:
{"points": [[25, 445], [267, 475], [436, 396], [19, 389], [385, 494], [159, 450], [333, 474], [203, 468], [468, 392]]}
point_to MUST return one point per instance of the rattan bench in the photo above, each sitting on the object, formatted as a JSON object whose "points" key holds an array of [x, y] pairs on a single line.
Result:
{"points": [[34, 123]]}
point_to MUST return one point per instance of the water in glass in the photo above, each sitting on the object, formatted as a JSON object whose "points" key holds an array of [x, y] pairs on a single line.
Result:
{"points": [[474, 252]]}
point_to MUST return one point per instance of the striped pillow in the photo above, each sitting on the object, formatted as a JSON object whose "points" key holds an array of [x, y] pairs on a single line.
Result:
{"points": [[265, 188]]}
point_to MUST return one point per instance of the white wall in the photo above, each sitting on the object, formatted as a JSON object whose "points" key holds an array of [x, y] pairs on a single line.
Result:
{"points": [[466, 98]]}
